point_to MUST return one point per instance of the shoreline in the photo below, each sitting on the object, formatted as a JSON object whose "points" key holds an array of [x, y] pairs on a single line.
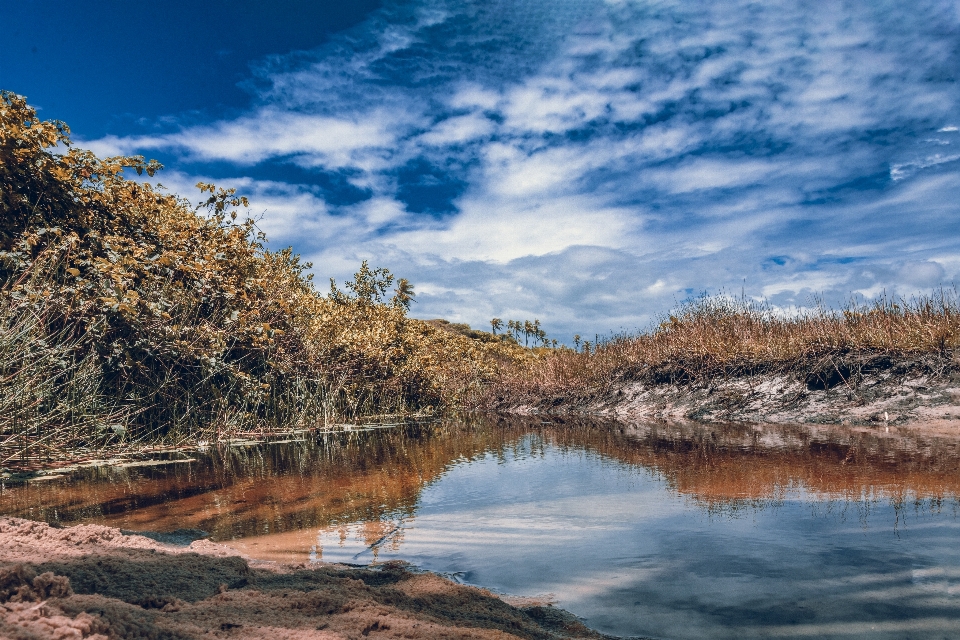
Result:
{"points": [[97, 582], [107, 582], [913, 393]]}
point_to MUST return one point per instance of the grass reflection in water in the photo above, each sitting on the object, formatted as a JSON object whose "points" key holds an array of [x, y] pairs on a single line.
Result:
{"points": [[366, 485]]}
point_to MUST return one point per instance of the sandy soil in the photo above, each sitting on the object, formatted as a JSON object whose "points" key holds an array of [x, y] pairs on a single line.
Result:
{"points": [[94, 582], [923, 392]]}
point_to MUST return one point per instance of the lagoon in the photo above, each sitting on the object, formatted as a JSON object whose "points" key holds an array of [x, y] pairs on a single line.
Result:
{"points": [[649, 529]]}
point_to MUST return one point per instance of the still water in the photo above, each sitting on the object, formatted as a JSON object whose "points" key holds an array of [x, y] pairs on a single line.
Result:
{"points": [[655, 530]]}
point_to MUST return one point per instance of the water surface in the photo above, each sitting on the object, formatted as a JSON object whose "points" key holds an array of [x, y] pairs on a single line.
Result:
{"points": [[673, 531]]}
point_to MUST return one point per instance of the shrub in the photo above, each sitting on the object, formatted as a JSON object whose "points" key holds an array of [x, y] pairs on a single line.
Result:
{"points": [[186, 326]]}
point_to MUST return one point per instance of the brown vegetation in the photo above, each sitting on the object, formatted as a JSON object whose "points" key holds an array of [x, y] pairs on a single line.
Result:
{"points": [[718, 338], [127, 318]]}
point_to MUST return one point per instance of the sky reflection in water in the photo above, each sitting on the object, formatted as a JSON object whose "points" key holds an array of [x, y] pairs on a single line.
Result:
{"points": [[667, 531]]}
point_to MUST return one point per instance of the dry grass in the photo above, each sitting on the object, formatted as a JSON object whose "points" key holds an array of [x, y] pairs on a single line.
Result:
{"points": [[129, 318], [51, 392], [714, 337]]}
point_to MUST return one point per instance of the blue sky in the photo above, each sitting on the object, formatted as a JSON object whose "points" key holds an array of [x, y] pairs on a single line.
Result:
{"points": [[589, 163]]}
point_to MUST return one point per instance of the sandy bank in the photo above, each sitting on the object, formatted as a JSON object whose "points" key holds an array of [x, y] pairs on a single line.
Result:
{"points": [[91, 581], [878, 391]]}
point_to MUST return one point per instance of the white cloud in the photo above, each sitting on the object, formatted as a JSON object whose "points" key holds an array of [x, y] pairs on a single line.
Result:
{"points": [[500, 231], [702, 174], [553, 104], [471, 96], [511, 172], [457, 130], [593, 162], [905, 170], [112, 145], [333, 142], [269, 133], [290, 215], [922, 274]]}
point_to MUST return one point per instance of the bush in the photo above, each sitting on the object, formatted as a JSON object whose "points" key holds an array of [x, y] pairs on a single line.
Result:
{"points": [[183, 326]]}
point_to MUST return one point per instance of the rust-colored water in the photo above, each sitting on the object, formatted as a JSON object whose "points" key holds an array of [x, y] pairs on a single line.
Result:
{"points": [[675, 530]]}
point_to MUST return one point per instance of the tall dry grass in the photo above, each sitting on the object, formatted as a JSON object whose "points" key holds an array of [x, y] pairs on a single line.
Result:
{"points": [[720, 336], [51, 389], [131, 317]]}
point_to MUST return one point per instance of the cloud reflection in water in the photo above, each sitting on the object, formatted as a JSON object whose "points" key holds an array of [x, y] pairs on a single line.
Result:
{"points": [[657, 529]]}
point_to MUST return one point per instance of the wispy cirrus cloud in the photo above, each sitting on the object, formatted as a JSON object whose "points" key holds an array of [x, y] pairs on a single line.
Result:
{"points": [[305, 139], [590, 163]]}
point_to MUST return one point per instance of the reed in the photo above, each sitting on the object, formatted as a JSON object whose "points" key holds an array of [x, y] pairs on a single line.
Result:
{"points": [[51, 394], [721, 337]]}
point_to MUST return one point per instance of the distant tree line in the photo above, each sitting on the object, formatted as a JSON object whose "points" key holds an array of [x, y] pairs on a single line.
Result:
{"points": [[531, 332]]}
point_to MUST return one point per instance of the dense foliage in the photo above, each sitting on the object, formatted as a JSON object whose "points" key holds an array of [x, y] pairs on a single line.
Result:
{"points": [[172, 323]]}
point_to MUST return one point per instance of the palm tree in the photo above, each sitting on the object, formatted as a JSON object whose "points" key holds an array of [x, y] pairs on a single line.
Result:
{"points": [[403, 295], [496, 324]]}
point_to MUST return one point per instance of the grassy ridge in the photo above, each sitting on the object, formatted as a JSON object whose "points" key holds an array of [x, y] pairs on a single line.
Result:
{"points": [[721, 337], [127, 316]]}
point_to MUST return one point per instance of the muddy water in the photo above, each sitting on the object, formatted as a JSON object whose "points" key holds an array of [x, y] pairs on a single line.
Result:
{"points": [[674, 531]]}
